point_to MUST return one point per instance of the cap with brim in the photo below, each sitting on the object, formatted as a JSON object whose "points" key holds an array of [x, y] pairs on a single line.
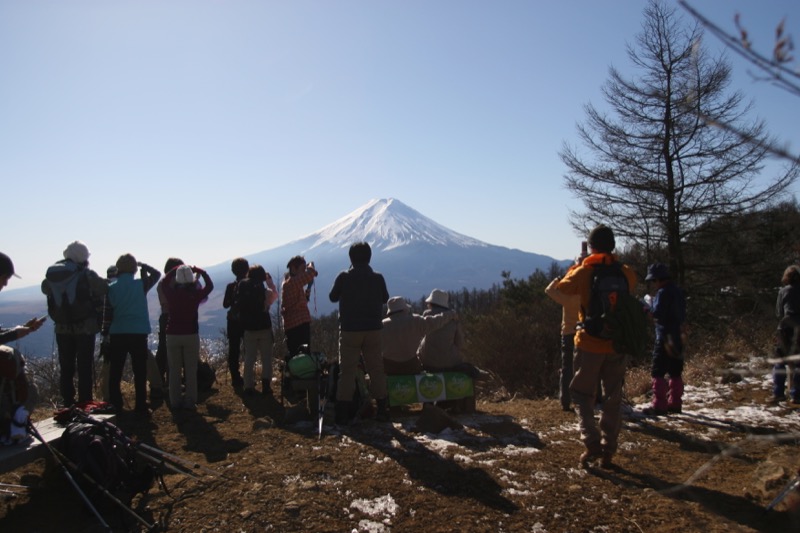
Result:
{"points": [[7, 266], [657, 272]]}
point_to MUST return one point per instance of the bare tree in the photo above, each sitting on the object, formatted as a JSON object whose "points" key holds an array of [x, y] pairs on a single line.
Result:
{"points": [[775, 68], [656, 171]]}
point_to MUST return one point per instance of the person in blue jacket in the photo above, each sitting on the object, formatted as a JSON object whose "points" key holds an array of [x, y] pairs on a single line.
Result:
{"points": [[129, 328], [669, 313]]}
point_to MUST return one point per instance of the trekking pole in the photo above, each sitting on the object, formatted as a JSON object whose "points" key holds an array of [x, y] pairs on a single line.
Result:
{"points": [[322, 395], [106, 493], [793, 484], [165, 465], [10, 485], [58, 457], [179, 460]]}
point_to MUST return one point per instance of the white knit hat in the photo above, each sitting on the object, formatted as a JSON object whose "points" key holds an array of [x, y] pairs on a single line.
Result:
{"points": [[77, 251], [184, 274]]}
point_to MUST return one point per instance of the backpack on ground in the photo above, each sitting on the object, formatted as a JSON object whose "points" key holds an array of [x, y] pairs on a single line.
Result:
{"points": [[69, 299], [13, 394], [104, 453], [206, 377], [614, 313]]}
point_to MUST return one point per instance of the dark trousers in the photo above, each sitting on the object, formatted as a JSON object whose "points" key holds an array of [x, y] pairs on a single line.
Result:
{"points": [[235, 336], [664, 363], [123, 344], [161, 351], [297, 337], [567, 355], [76, 351]]}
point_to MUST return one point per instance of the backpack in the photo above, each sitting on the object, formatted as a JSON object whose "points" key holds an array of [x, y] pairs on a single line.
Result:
{"points": [[206, 377], [104, 453], [69, 299], [613, 312], [250, 302], [13, 391]]}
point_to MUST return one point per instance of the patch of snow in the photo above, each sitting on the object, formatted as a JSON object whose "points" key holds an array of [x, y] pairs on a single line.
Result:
{"points": [[382, 505], [520, 450]]}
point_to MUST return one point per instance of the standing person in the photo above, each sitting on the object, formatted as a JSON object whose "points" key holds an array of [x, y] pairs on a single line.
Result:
{"points": [[787, 310], [74, 295], [17, 396], [361, 293], [669, 313], [105, 342], [595, 357], [254, 300], [239, 267], [184, 295], [129, 328], [294, 304], [163, 318], [401, 333], [570, 307]]}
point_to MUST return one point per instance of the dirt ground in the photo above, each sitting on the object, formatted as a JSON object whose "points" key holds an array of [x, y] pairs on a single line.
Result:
{"points": [[512, 467]]}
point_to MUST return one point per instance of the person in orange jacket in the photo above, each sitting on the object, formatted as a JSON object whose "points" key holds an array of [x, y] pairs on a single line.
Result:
{"points": [[595, 357]]}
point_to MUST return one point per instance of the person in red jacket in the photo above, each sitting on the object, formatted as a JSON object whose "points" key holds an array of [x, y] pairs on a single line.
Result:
{"points": [[294, 304], [184, 296]]}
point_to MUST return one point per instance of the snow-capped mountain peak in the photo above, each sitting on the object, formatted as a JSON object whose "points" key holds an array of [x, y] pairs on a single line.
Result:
{"points": [[387, 224]]}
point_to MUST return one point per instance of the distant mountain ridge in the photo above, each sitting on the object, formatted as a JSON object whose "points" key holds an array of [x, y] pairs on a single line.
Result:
{"points": [[414, 253]]}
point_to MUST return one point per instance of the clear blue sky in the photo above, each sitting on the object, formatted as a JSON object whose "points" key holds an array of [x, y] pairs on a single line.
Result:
{"points": [[212, 129]]}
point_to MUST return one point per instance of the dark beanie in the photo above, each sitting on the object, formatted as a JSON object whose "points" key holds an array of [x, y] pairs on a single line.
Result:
{"points": [[601, 239]]}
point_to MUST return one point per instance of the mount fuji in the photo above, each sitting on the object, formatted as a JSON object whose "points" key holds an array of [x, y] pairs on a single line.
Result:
{"points": [[414, 253]]}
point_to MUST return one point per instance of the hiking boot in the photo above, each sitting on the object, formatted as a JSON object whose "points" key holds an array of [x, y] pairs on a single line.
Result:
{"points": [[382, 413], [606, 461], [587, 458], [143, 410], [343, 415], [674, 409], [592, 454], [652, 411], [776, 399]]}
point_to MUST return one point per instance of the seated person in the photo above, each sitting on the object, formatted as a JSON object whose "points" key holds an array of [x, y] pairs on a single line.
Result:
{"points": [[402, 333], [440, 350]]}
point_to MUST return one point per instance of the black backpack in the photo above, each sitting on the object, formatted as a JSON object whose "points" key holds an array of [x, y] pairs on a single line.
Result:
{"points": [[206, 377], [250, 302], [608, 282], [69, 300], [614, 313], [100, 450]]}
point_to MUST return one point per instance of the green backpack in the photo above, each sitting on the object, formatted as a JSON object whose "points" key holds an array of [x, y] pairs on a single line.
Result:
{"points": [[303, 366]]}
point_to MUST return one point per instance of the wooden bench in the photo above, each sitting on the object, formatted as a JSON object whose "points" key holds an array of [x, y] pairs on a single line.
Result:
{"points": [[17, 455], [432, 387]]}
